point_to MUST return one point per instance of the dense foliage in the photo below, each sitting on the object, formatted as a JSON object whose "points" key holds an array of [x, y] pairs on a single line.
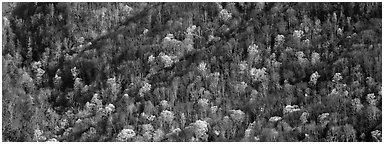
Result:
{"points": [[191, 72]]}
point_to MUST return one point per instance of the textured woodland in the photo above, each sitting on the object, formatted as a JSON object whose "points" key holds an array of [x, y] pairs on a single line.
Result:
{"points": [[192, 72]]}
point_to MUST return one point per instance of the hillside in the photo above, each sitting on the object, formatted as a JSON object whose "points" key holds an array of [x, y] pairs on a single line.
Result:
{"points": [[186, 72]]}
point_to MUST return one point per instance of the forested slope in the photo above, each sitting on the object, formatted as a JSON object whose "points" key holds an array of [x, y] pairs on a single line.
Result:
{"points": [[191, 72]]}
